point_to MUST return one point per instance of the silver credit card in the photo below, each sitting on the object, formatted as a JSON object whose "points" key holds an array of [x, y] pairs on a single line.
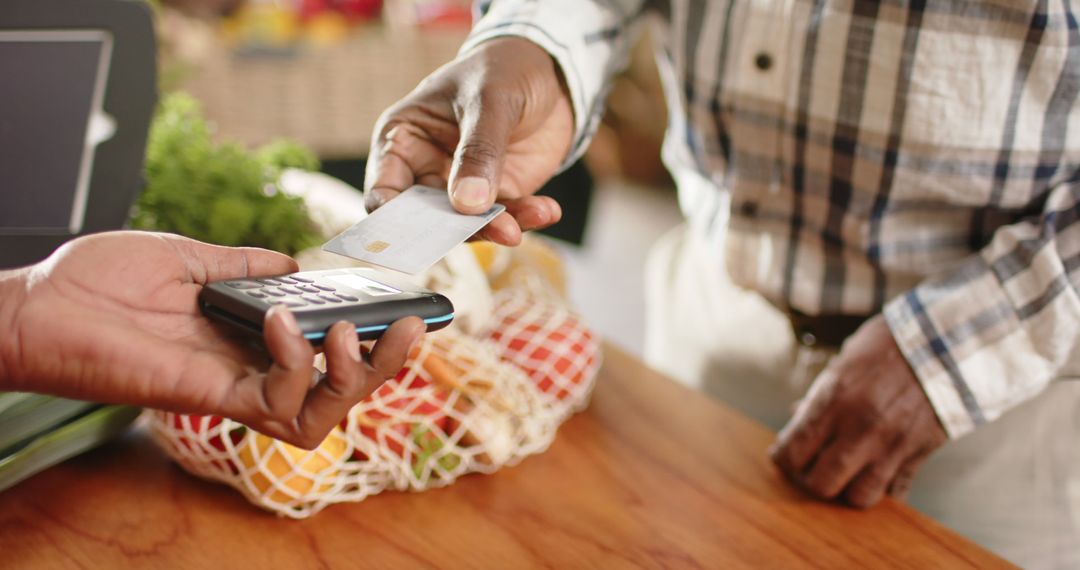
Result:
{"points": [[411, 232]]}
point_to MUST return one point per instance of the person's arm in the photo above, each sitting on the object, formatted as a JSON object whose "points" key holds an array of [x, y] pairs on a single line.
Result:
{"points": [[520, 100], [996, 330], [114, 317], [948, 356]]}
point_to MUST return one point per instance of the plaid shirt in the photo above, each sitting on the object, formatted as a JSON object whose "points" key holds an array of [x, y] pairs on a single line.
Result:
{"points": [[917, 158]]}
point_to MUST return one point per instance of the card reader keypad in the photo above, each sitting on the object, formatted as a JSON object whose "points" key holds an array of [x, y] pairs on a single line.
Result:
{"points": [[292, 291]]}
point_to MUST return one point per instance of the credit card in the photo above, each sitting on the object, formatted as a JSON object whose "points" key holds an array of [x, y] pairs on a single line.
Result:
{"points": [[411, 232]]}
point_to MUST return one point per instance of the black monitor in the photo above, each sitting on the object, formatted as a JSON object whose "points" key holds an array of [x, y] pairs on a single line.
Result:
{"points": [[79, 90]]}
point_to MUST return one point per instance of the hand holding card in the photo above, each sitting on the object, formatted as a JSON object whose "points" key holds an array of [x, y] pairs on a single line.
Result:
{"points": [[411, 232]]}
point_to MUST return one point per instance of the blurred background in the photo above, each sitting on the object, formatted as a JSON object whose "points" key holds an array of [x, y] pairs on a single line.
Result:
{"points": [[319, 73]]}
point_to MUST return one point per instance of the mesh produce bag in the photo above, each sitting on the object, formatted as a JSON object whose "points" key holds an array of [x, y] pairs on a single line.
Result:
{"points": [[488, 391]]}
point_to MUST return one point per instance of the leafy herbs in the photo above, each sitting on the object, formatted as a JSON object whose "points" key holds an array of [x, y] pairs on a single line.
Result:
{"points": [[219, 192]]}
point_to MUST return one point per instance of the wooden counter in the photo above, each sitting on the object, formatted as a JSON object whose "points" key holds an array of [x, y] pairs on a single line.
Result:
{"points": [[652, 475]]}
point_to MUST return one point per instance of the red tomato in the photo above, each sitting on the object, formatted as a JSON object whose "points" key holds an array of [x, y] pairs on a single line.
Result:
{"points": [[429, 407], [189, 426], [194, 426], [554, 348]]}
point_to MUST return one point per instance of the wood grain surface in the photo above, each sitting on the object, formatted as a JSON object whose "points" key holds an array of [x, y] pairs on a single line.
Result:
{"points": [[652, 475]]}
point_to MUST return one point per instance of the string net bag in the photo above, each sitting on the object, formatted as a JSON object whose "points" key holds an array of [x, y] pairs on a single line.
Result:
{"points": [[484, 393]]}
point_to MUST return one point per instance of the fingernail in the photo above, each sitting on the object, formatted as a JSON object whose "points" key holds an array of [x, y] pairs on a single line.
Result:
{"points": [[286, 317], [471, 191], [375, 198], [354, 345], [415, 344]]}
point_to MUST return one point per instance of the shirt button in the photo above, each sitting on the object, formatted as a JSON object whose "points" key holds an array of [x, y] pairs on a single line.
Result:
{"points": [[763, 61]]}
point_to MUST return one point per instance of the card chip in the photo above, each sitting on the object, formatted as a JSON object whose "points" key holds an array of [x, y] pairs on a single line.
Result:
{"points": [[377, 246]]}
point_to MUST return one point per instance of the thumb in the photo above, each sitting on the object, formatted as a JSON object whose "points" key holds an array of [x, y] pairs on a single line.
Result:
{"points": [[208, 262], [478, 160]]}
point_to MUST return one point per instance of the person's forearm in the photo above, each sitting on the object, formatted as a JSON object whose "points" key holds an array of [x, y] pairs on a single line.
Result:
{"points": [[999, 327], [12, 296]]}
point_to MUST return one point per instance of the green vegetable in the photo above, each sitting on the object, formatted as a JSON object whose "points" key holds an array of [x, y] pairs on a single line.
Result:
{"points": [[219, 193], [430, 445]]}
